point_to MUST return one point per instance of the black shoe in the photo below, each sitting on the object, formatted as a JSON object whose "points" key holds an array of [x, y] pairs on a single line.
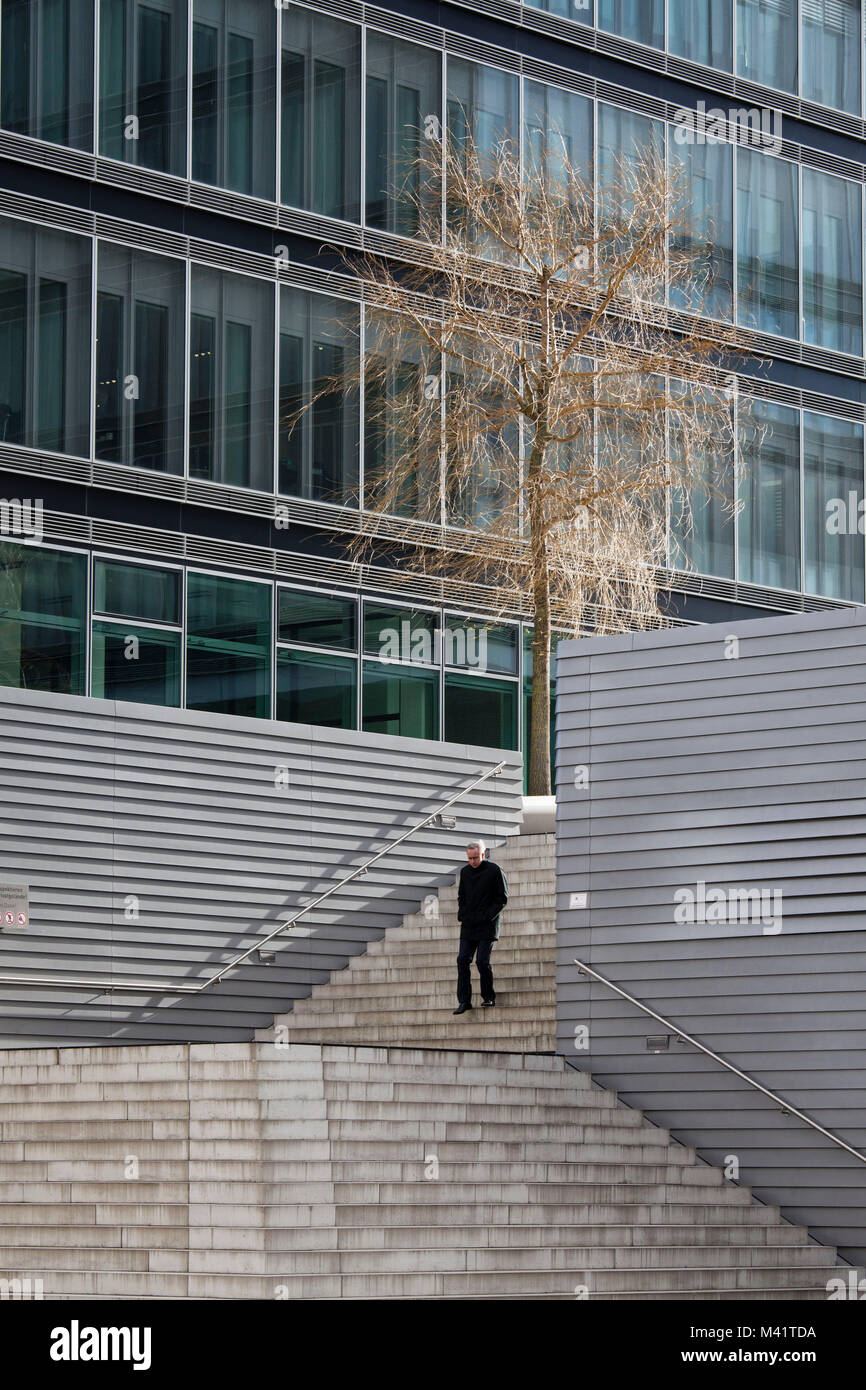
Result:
{"points": [[488, 1003], [461, 1008]]}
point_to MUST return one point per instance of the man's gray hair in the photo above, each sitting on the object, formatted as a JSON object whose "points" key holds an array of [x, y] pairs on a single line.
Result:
{"points": [[477, 844]]}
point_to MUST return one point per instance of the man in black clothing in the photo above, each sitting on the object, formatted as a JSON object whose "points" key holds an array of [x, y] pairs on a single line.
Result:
{"points": [[481, 896]]}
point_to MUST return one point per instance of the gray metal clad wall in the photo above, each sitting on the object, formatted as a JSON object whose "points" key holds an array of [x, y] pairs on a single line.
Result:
{"points": [[107, 802], [740, 772]]}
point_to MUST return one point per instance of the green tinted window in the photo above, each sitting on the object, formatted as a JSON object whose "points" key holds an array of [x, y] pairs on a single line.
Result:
{"points": [[398, 700], [400, 634], [316, 620], [474, 643], [136, 591], [316, 689], [43, 607], [138, 664], [481, 712], [228, 646]]}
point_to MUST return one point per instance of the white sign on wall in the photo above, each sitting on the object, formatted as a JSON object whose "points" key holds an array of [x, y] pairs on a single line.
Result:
{"points": [[14, 906]]}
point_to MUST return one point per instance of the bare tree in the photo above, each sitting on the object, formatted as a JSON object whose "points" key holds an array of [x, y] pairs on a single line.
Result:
{"points": [[527, 386]]}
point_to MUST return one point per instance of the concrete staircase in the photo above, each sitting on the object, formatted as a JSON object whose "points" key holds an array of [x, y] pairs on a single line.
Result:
{"points": [[403, 989], [319, 1171], [370, 1145]]}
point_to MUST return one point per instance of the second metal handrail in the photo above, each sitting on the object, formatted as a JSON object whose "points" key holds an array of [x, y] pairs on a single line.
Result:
{"points": [[784, 1105], [157, 987]]}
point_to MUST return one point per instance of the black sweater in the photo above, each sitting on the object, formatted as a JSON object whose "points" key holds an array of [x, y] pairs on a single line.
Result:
{"points": [[481, 896]]}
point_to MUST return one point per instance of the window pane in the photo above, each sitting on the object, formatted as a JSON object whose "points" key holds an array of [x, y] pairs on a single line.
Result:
{"points": [[136, 591], [44, 338], [767, 42], [709, 218], [318, 448], [641, 20], [139, 359], [138, 664], [316, 689], [702, 517], [480, 712], [578, 10], [832, 262], [701, 30], [767, 257], [403, 89], [234, 95], [228, 646], [479, 644], [833, 487], [142, 83], [399, 700], [321, 114], [831, 53], [400, 634], [402, 421], [231, 379], [46, 70], [316, 620], [557, 128], [769, 523], [43, 611]]}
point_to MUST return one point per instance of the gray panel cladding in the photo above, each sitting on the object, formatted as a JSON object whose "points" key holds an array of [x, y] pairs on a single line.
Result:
{"points": [[157, 844], [711, 805]]}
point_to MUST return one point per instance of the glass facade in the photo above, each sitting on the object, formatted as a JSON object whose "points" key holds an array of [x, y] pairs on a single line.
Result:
{"points": [[43, 619], [231, 379], [832, 263], [228, 646], [234, 95], [403, 92], [142, 83], [318, 424], [45, 280], [320, 134], [140, 327], [769, 522], [46, 70], [768, 241]]}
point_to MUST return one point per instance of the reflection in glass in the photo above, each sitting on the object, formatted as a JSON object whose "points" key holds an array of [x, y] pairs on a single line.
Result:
{"points": [[480, 712], [316, 689], [400, 700], [231, 375], [769, 522], [320, 134], [132, 663], [708, 222], [139, 359], [228, 660], [46, 70], [316, 620], [234, 95], [43, 615], [767, 42], [404, 103], [318, 436], [701, 31], [44, 338], [767, 223], [136, 591], [640, 20], [142, 83], [557, 129], [833, 503], [832, 262], [831, 53]]}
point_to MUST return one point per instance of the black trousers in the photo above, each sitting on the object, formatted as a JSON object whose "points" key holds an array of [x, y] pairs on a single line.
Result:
{"points": [[481, 951]]}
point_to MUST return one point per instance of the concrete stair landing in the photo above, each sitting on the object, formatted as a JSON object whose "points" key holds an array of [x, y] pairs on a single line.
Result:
{"points": [[403, 989]]}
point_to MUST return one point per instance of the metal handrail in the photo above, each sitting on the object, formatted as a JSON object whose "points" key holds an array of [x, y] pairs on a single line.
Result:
{"points": [[784, 1105], [131, 986]]}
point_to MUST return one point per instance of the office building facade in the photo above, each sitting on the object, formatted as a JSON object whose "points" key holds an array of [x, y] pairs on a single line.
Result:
{"points": [[182, 186]]}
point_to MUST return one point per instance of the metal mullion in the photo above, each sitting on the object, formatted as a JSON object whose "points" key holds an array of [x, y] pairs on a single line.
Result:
{"points": [[802, 508]]}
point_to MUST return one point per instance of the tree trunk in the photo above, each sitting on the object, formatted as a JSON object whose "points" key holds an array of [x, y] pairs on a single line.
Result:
{"points": [[539, 737], [539, 734]]}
